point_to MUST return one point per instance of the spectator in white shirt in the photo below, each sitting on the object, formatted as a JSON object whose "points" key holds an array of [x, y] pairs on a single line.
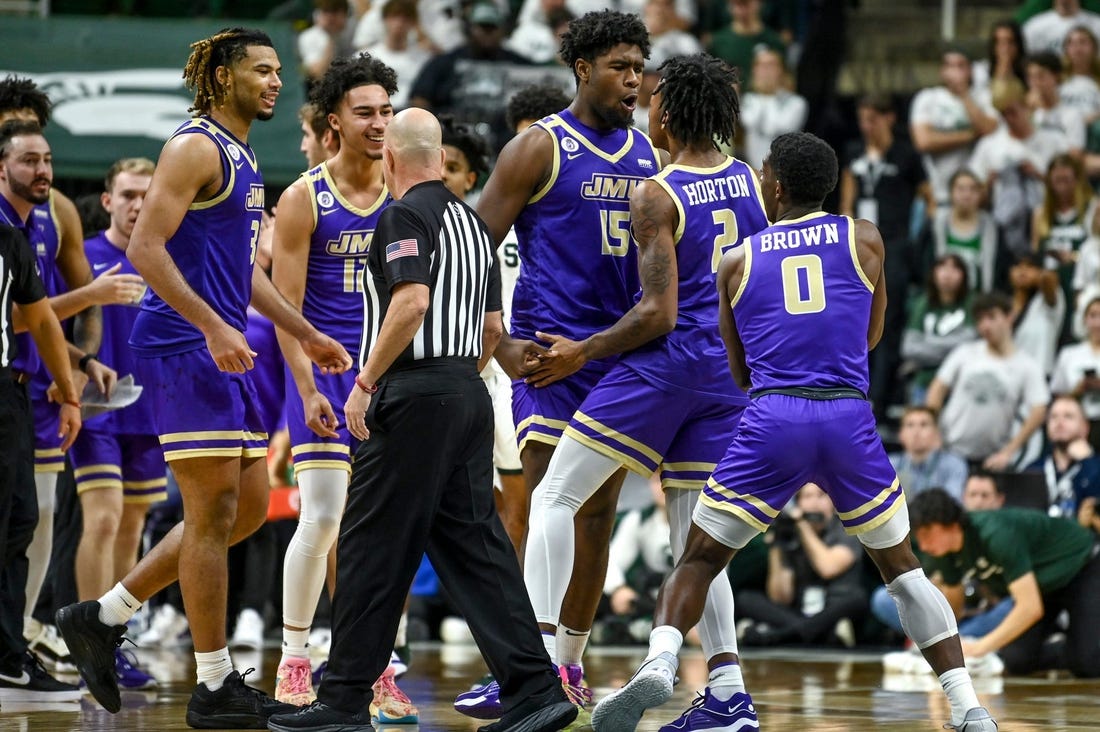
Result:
{"points": [[1038, 309], [1046, 31], [1077, 371], [1081, 89], [398, 48], [945, 122], [769, 109], [1013, 161], [1044, 70], [1006, 60], [329, 37], [983, 387]]}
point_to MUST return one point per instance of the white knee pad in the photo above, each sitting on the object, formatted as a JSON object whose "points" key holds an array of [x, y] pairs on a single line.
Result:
{"points": [[925, 614]]}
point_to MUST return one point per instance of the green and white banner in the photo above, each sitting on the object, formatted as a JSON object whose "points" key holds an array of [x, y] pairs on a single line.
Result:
{"points": [[117, 88]]}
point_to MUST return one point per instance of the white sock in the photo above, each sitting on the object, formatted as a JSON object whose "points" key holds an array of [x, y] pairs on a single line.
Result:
{"points": [[402, 631], [117, 606], [550, 641], [725, 681], [665, 639], [960, 692], [295, 643], [213, 667], [571, 645]]}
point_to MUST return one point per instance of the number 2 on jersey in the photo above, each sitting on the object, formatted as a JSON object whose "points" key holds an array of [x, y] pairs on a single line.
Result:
{"points": [[804, 268], [726, 238]]}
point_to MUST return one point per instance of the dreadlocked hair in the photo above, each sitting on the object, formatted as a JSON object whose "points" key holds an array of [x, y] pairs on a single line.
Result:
{"points": [[225, 48], [472, 145], [698, 99], [19, 92], [594, 34], [345, 74]]}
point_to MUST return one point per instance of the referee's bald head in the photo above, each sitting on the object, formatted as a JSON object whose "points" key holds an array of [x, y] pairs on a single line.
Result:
{"points": [[413, 148]]}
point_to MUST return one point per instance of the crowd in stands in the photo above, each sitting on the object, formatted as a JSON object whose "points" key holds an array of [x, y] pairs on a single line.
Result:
{"points": [[983, 188]]}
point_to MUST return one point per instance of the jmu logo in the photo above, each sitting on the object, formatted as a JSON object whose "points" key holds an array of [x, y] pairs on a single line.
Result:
{"points": [[255, 200], [609, 187], [350, 243]]}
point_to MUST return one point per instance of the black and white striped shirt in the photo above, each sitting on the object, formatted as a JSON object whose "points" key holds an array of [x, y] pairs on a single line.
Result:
{"points": [[432, 238], [19, 282]]}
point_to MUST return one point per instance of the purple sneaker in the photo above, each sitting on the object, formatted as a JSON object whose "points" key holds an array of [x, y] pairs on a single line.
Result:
{"points": [[707, 713], [481, 702], [131, 677]]}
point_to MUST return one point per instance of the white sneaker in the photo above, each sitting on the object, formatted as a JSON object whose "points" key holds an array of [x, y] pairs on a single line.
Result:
{"points": [[167, 629], [320, 642], [988, 665], [48, 645], [905, 662], [249, 631], [650, 686]]}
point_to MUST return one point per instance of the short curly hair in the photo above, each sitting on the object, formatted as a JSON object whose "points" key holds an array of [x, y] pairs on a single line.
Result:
{"points": [[345, 74], [698, 95], [472, 145], [805, 165], [936, 506], [19, 92], [534, 102], [594, 34]]}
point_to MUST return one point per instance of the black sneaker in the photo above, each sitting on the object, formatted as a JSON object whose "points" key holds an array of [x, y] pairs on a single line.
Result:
{"points": [[319, 717], [233, 706], [92, 644], [545, 713], [32, 683]]}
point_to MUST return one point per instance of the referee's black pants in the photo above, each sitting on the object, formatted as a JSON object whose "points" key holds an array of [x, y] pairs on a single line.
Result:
{"points": [[18, 517], [424, 482]]}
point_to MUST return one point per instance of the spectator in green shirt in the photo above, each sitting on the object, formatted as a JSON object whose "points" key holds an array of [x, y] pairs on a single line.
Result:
{"points": [[737, 43], [1046, 564]]}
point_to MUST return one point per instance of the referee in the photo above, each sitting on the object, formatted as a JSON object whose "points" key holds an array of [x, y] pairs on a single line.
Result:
{"points": [[423, 481], [20, 284]]}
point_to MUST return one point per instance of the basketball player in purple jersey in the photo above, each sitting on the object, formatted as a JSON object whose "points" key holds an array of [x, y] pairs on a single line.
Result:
{"points": [[806, 298], [670, 403], [195, 244], [565, 185], [322, 235]]}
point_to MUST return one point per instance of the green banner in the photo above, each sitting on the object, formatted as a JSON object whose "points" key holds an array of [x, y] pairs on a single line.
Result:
{"points": [[117, 88]]}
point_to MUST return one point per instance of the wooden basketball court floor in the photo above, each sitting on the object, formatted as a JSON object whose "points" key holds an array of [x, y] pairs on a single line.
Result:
{"points": [[817, 691]]}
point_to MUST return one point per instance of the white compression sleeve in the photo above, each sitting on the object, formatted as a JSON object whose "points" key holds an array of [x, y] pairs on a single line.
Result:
{"points": [[38, 553], [717, 628], [574, 475], [323, 493]]}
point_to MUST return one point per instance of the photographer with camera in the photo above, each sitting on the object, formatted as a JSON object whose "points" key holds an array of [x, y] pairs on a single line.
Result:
{"points": [[813, 588]]}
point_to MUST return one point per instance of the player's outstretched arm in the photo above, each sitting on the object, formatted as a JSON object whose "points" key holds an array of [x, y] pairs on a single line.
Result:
{"points": [[189, 170], [872, 255], [653, 219], [730, 271]]}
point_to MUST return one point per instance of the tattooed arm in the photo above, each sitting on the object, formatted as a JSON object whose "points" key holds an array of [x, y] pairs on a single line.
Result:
{"points": [[654, 219]]}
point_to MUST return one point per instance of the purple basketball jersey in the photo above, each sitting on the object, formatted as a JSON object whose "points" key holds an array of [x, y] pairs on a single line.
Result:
{"points": [[804, 305]]}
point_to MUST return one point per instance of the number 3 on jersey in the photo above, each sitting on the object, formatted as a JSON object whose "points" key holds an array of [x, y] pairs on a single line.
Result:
{"points": [[803, 284]]}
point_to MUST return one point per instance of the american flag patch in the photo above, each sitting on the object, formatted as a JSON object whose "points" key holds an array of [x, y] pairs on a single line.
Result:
{"points": [[403, 248]]}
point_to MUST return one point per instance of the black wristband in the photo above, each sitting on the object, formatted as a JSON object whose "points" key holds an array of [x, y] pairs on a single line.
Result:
{"points": [[83, 363]]}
